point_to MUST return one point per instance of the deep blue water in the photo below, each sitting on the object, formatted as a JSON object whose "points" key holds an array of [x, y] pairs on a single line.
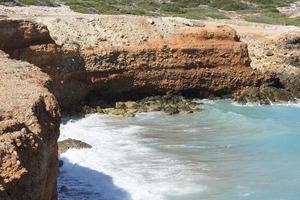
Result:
{"points": [[227, 152]]}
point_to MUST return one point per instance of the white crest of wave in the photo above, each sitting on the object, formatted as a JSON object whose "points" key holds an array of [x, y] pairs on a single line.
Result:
{"points": [[120, 166], [289, 103]]}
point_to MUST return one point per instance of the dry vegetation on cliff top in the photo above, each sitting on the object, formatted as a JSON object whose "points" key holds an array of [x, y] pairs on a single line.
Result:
{"points": [[262, 11], [94, 31]]}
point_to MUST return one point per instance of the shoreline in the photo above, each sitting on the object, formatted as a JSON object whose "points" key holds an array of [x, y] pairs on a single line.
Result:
{"points": [[124, 132], [56, 65]]}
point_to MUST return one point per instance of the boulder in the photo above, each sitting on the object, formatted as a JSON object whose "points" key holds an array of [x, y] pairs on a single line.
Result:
{"points": [[67, 144], [131, 105], [171, 110], [153, 106], [264, 95]]}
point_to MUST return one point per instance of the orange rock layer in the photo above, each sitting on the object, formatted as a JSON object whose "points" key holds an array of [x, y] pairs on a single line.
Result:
{"points": [[198, 62]]}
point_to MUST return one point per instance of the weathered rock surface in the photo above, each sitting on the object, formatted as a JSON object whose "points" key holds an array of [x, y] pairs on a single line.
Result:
{"points": [[264, 95], [17, 34], [64, 145], [198, 61], [29, 128], [170, 104], [194, 62], [31, 42]]}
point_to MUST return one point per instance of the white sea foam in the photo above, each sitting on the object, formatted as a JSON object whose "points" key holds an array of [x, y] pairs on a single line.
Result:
{"points": [[224, 153], [289, 103], [247, 104], [120, 166], [208, 101]]}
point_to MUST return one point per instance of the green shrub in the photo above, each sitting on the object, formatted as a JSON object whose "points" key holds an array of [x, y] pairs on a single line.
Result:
{"points": [[264, 10], [230, 5], [273, 16], [171, 8], [203, 12]]}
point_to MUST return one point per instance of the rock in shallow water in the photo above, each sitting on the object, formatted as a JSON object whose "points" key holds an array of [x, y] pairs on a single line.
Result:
{"points": [[169, 104], [264, 95], [60, 163], [64, 145], [63, 189], [171, 110]]}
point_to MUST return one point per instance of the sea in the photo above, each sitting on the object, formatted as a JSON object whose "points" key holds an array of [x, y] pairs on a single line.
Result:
{"points": [[227, 152]]}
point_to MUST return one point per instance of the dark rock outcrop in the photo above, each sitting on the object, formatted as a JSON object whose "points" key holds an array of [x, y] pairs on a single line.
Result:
{"points": [[170, 104], [264, 95], [64, 145]]}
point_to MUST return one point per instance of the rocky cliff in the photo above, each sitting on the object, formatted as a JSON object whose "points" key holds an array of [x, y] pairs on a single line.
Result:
{"points": [[29, 128], [198, 62], [31, 42]]}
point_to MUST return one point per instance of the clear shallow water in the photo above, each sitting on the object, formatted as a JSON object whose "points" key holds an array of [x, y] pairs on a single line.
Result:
{"points": [[227, 152]]}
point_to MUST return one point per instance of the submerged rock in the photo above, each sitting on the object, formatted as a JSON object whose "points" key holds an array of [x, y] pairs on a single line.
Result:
{"points": [[60, 163], [171, 110], [64, 145], [63, 189]]}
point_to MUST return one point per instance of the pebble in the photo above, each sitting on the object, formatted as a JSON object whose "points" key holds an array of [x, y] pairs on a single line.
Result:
{"points": [[269, 53], [151, 21]]}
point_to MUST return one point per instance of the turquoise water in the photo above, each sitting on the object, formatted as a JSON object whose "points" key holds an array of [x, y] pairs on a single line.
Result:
{"points": [[227, 152]]}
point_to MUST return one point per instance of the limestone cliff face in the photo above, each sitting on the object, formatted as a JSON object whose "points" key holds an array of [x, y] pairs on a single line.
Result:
{"points": [[31, 42], [196, 61], [29, 129], [199, 62]]}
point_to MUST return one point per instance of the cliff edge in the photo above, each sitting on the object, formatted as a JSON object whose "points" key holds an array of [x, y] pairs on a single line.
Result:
{"points": [[29, 129], [194, 61], [35, 71]]}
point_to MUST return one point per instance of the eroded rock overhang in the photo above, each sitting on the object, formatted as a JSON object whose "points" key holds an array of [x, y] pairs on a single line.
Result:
{"points": [[195, 61], [198, 62]]}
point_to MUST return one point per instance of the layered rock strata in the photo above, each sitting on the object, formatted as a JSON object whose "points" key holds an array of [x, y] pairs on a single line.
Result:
{"points": [[197, 62]]}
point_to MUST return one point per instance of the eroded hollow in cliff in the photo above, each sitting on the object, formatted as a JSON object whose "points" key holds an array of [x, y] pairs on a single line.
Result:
{"points": [[195, 62], [108, 96]]}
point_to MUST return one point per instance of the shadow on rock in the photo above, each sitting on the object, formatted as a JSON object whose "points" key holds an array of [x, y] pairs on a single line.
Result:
{"points": [[76, 182]]}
